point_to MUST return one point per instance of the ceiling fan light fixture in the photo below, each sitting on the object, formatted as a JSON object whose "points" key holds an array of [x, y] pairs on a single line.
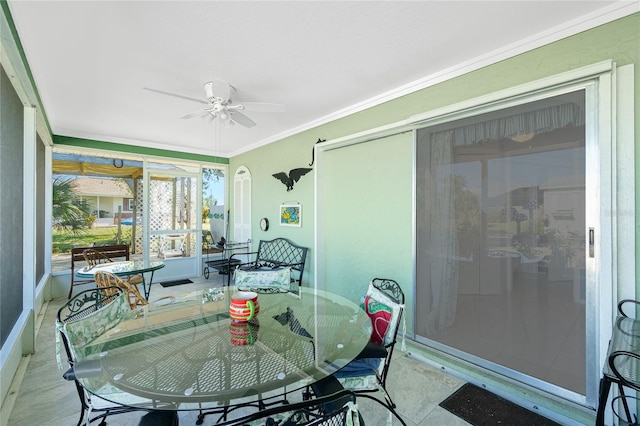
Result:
{"points": [[220, 105], [523, 137]]}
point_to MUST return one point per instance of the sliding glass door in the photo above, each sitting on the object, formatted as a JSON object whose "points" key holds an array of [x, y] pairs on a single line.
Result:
{"points": [[500, 209]]}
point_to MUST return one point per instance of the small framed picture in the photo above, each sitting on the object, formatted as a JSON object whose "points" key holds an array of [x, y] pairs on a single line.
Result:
{"points": [[291, 215]]}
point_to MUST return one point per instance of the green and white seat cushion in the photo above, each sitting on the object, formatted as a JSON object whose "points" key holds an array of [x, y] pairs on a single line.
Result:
{"points": [[278, 279], [82, 332]]}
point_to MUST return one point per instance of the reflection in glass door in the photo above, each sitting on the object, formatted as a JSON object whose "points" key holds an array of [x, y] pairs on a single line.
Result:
{"points": [[242, 205], [501, 240]]}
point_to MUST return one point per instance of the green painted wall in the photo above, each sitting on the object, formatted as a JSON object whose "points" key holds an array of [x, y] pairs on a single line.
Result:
{"points": [[368, 234], [619, 41], [267, 192]]}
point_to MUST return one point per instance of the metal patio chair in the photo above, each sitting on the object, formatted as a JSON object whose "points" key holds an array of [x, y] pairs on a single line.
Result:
{"points": [[367, 374], [84, 308], [85, 305]]}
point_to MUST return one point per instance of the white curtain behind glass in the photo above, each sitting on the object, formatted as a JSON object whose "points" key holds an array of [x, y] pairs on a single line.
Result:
{"points": [[439, 275]]}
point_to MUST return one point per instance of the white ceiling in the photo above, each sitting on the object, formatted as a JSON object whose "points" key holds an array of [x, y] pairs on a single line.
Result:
{"points": [[321, 59]]}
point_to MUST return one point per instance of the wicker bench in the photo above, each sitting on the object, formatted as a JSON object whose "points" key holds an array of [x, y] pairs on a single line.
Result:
{"points": [[277, 253], [119, 252]]}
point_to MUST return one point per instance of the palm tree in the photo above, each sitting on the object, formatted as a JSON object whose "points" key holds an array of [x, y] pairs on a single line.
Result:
{"points": [[70, 213]]}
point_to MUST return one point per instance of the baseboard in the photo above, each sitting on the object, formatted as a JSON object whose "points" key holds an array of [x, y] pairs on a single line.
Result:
{"points": [[13, 390], [12, 351], [20, 342]]}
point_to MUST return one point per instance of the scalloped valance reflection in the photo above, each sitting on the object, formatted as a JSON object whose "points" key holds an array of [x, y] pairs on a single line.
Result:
{"points": [[520, 127]]}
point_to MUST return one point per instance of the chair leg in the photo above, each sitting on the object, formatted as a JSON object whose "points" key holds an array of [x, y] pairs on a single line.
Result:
{"points": [[83, 405], [625, 404], [387, 397], [605, 386], [81, 417]]}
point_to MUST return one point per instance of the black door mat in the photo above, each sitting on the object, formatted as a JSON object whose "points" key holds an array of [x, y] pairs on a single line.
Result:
{"points": [[175, 282], [481, 407]]}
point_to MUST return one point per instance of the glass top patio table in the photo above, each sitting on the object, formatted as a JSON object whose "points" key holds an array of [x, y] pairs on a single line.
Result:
{"points": [[179, 356], [123, 269]]}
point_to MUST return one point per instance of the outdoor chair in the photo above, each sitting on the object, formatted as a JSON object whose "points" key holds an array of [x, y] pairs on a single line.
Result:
{"points": [[338, 409], [118, 251], [367, 374], [108, 280], [94, 257], [80, 311], [84, 318], [277, 266]]}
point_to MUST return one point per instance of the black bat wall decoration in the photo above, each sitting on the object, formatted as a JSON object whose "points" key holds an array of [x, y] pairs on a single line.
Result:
{"points": [[294, 176]]}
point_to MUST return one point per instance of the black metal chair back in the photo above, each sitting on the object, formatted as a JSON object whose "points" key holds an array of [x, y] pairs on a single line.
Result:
{"points": [[392, 289], [78, 307], [313, 412], [279, 252]]}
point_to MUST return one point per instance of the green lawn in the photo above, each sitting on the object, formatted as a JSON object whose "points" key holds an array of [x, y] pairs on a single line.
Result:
{"points": [[64, 241]]}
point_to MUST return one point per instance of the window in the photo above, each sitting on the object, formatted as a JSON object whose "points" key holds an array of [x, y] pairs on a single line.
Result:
{"points": [[127, 204]]}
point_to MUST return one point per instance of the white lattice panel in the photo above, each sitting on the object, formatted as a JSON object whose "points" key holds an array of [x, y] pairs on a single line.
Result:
{"points": [[139, 214], [172, 206]]}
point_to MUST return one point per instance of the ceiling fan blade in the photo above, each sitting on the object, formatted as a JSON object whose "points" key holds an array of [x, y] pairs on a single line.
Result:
{"points": [[198, 113], [218, 88], [263, 107], [241, 119], [200, 101]]}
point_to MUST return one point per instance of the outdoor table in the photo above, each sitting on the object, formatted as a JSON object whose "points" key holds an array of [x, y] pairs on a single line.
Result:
{"points": [[179, 356], [125, 268]]}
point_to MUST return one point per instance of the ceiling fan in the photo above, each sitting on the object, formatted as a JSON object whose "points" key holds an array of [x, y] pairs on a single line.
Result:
{"points": [[219, 104]]}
